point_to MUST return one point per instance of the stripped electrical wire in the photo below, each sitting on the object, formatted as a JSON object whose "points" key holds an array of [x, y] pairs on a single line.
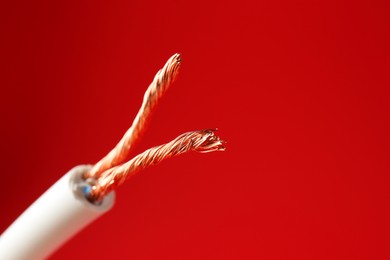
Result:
{"points": [[86, 192], [111, 171]]}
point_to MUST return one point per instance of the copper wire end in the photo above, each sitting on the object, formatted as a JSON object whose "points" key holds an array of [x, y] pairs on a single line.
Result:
{"points": [[203, 141], [161, 82]]}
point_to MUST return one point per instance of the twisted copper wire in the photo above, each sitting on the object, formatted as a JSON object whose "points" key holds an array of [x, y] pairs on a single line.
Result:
{"points": [[201, 141], [156, 89]]}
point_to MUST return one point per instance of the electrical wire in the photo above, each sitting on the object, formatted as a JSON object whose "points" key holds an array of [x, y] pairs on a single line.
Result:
{"points": [[203, 141], [54, 218], [161, 82], [85, 193]]}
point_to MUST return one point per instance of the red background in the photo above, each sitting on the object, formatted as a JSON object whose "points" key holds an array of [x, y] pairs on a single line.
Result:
{"points": [[299, 89]]}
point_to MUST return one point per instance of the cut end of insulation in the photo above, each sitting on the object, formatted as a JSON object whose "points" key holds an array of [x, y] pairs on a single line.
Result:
{"points": [[82, 189]]}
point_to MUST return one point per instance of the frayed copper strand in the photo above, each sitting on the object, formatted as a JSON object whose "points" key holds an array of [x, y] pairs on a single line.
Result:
{"points": [[201, 141]]}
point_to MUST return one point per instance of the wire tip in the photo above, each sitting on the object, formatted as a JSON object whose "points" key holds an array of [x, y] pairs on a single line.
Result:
{"points": [[177, 57], [211, 142], [169, 72]]}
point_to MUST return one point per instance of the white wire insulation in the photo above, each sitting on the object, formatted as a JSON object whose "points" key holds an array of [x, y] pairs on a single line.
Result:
{"points": [[55, 217]]}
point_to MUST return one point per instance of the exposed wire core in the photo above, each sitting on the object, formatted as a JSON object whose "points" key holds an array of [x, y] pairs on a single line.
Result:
{"points": [[155, 91], [203, 141], [111, 171]]}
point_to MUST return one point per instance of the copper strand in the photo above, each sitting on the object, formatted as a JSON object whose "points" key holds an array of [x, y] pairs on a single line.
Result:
{"points": [[161, 82], [201, 141]]}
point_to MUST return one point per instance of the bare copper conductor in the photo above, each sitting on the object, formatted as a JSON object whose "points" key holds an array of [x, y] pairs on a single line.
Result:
{"points": [[161, 82], [111, 171], [203, 141]]}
